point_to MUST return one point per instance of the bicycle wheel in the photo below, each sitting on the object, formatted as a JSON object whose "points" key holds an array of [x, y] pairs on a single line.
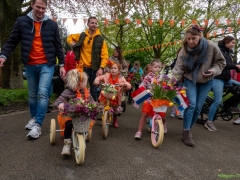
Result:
{"points": [[89, 135], [105, 124], [157, 133], [52, 131], [79, 147]]}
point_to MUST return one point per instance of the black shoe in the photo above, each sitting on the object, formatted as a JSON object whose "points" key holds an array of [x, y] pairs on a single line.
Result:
{"points": [[48, 110]]}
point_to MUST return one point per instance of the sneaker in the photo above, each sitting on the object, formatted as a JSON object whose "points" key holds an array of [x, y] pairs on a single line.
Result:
{"points": [[237, 122], [235, 110], [35, 132], [138, 135], [66, 147], [173, 114], [180, 117], [30, 124], [210, 126]]}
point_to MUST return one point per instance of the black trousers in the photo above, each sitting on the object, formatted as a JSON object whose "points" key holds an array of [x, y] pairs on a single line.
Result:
{"points": [[68, 129]]}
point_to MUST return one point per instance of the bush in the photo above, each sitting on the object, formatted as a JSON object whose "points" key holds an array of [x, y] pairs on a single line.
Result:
{"points": [[8, 96]]}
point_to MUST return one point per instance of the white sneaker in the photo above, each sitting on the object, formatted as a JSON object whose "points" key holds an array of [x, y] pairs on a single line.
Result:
{"points": [[30, 124], [237, 122], [66, 147], [35, 132]]}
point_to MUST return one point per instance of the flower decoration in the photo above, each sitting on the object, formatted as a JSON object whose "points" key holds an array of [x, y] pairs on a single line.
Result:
{"points": [[78, 107], [164, 91], [134, 78]]}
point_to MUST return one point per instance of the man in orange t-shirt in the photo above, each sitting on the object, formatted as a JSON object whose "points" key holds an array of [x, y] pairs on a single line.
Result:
{"points": [[40, 45]]}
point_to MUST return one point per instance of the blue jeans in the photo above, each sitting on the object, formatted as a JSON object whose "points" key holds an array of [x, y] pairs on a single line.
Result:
{"points": [[91, 77], [217, 89], [196, 94], [39, 78]]}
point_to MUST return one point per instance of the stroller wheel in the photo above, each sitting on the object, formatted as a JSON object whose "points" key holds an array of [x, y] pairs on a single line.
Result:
{"points": [[226, 115]]}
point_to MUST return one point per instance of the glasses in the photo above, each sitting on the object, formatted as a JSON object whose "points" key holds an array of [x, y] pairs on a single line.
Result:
{"points": [[89, 40]]}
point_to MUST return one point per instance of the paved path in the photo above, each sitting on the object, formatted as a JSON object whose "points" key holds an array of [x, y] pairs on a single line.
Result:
{"points": [[120, 156]]}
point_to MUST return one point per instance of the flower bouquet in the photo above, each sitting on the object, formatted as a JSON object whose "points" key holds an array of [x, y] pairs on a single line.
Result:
{"points": [[134, 78], [163, 92], [81, 112], [109, 91]]}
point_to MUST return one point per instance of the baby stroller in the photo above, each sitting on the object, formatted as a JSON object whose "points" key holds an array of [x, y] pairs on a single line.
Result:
{"points": [[81, 133], [224, 110]]}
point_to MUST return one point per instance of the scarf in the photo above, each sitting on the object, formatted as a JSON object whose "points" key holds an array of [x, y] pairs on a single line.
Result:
{"points": [[194, 66]]}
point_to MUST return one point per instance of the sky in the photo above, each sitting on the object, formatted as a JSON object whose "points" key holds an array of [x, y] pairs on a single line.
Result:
{"points": [[74, 29]]}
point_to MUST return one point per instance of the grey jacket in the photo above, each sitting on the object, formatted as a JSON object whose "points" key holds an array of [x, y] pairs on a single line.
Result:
{"points": [[215, 63]]}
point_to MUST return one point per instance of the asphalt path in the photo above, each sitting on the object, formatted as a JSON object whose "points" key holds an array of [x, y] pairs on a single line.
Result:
{"points": [[215, 156]]}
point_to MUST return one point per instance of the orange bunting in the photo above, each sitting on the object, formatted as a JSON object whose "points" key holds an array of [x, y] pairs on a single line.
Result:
{"points": [[171, 22], [127, 21], [117, 21], [54, 19], [230, 30], [223, 31], [75, 21], [138, 21], [183, 22], [150, 22], [194, 22], [106, 22], [208, 35], [205, 22], [84, 20], [239, 22], [160, 22], [228, 22], [216, 22], [214, 33]]}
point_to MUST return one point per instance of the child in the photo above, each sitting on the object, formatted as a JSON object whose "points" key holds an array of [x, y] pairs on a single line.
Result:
{"points": [[147, 109], [114, 77], [76, 82], [136, 68]]}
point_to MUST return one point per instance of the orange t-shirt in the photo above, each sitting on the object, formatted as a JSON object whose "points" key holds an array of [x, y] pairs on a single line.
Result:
{"points": [[37, 54]]}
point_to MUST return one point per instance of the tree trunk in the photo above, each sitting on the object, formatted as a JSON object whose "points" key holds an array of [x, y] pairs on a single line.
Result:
{"points": [[11, 72]]}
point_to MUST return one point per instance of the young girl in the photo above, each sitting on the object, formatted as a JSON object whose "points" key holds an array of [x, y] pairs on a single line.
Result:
{"points": [[76, 82], [147, 109], [114, 77]]}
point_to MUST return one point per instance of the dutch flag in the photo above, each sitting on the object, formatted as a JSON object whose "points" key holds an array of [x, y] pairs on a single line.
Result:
{"points": [[140, 95]]}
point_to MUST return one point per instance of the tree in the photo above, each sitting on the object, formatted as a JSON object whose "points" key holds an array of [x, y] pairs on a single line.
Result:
{"points": [[12, 71]]}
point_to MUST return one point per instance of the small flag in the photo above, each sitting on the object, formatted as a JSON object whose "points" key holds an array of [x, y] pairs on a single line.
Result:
{"points": [[140, 95]]}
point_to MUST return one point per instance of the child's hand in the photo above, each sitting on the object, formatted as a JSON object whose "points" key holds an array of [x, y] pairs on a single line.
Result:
{"points": [[61, 107]]}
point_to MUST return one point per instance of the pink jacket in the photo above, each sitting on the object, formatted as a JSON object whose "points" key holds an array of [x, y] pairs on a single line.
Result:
{"points": [[122, 81]]}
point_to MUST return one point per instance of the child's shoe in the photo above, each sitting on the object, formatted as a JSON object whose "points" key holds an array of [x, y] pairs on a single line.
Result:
{"points": [[115, 122], [138, 135], [173, 114], [66, 147]]}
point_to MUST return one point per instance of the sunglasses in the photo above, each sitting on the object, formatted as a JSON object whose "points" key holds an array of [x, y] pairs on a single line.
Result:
{"points": [[89, 40]]}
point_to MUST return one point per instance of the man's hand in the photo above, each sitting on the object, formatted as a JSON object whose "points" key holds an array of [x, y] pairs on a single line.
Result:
{"points": [[62, 72], [99, 72], [72, 44], [2, 60]]}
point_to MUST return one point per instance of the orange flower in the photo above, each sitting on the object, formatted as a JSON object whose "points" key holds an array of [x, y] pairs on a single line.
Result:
{"points": [[159, 102]]}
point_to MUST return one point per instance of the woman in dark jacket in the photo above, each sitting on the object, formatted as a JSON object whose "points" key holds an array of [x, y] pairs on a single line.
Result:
{"points": [[226, 45]]}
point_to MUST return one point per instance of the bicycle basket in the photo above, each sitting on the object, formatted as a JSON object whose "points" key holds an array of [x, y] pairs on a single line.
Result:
{"points": [[81, 124]]}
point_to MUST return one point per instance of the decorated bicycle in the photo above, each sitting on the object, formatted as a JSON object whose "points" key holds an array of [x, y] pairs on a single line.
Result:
{"points": [[156, 99], [77, 114]]}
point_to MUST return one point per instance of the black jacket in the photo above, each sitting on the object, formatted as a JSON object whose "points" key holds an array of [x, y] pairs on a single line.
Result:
{"points": [[230, 64], [24, 31]]}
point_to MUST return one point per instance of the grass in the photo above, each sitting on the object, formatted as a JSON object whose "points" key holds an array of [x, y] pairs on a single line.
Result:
{"points": [[8, 96]]}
